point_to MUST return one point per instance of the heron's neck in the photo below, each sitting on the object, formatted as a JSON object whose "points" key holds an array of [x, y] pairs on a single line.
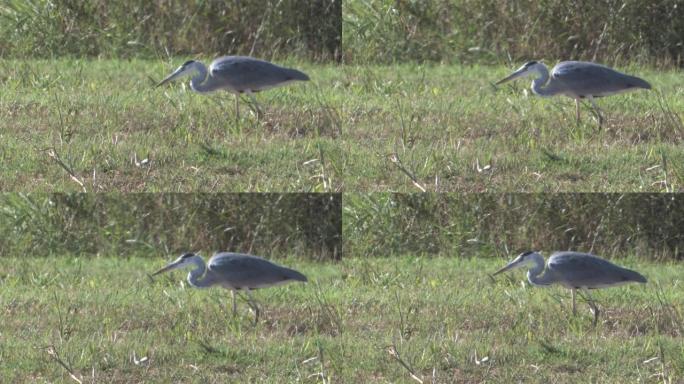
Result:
{"points": [[533, 274], [198, 82], [539, 82], [195, 275]]}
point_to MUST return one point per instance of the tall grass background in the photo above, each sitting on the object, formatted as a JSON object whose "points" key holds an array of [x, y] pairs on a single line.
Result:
{"points": [[140, 28], [500, 31], [361, 31], [152, 225], [647, 226], [320, 226]]}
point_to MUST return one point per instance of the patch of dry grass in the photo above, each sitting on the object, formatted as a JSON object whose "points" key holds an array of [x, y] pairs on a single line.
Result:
{"points": [[361, 319], [348, 129]]}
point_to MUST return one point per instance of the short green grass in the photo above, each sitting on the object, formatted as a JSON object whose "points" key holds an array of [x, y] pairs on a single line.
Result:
{"points": [[451, 129], [360, 320], [98, 125], [101, 126]]}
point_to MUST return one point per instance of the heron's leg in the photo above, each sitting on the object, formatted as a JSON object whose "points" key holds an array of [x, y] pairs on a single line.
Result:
{"points": [[253, 305], [254, 101], [592, 305], [598, 111], [577, 113], [237, 107], [232, 293], [574, 311]]}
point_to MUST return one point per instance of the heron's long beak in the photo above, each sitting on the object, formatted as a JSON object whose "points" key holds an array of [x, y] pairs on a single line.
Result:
{"points": [[177, 73], [165, 269], [513, 264], [512, 76]]}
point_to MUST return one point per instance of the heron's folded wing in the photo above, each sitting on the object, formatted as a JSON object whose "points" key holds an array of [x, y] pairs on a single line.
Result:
{"points": [[246, 73], [246, 271], [586, 270], [591, 79]]}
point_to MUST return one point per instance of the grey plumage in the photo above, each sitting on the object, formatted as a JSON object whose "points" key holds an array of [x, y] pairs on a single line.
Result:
{"points": [[236, 74], [240, 73], [239, 271], [574, 270], [584, 270], [578, 80], [235, 271]]}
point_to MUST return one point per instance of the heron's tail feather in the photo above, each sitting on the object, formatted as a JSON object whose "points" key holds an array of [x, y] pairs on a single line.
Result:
{"points": [[635, 82], [640, 278], [635, 276], [296, 75], [291, 274]]}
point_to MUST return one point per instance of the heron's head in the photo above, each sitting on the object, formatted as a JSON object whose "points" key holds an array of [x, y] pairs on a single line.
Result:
{"points": [[523, 259], [526, 70], [181, 71], [183, 261]]}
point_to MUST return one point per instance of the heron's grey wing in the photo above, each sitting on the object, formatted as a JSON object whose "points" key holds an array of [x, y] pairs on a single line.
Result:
{"points": [[249, 272], [585, 270], [582, 79], [245, 73]]}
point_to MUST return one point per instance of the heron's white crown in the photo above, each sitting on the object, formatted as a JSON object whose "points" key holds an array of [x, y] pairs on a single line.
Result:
{"points": [[184, 69], [529, 256], [527, 69], [183, 261], [181, 71], [524, 259]]}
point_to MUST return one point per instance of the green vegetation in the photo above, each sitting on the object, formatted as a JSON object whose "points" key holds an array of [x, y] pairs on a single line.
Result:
{"points": [[446, 319], [81, 125], [154, 225], [497, 31], [141, 28], [74, 125], [413, 109], [446, 128], [388, 31], [610, 225]]}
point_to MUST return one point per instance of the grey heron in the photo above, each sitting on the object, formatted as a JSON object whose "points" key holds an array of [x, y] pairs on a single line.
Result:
{"points": [[578, 80], [574, 270], [235, 271], [236, 74]]}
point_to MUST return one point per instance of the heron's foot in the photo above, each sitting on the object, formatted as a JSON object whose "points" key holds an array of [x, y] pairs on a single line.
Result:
{"points": [[257, 111], [227, 310], [255, 309], [595, 311], [254, 107], [599, 118]]}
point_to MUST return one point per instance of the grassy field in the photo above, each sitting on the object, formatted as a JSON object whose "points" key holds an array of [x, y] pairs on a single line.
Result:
{"points": [[100, 126], [74, 125], [452, 130], [361, 320]]}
